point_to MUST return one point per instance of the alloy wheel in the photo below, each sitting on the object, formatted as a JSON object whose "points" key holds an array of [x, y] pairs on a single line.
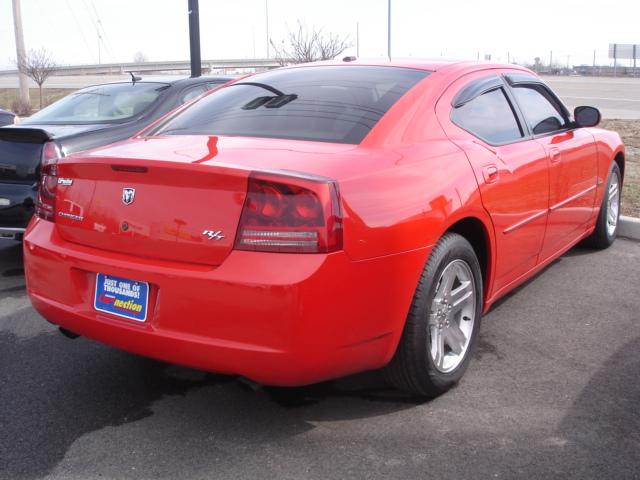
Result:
{"points": [[452, 316], [613, 205]]}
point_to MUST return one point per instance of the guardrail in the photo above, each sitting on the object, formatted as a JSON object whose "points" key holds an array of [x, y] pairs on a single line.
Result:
{"points": [[120, 68]]}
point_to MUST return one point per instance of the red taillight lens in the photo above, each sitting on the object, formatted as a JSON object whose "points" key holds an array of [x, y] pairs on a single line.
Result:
{"points": [[290, 214], [48, 186]]}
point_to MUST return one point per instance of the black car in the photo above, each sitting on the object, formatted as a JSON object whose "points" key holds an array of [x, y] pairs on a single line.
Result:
{"points": [[7, 118], [91, 117]]}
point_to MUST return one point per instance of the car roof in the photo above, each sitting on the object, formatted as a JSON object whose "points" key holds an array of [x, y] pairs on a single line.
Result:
{"points": [[431, 65], [420, 64]]}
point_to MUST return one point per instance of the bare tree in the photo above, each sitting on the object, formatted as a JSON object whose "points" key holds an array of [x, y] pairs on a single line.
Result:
{"points": [[306, 45], [38, 65], [140, 57]]}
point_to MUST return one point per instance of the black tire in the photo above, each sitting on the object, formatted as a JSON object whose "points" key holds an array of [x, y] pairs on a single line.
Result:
{"points": [[412, 368], [601, 238]]}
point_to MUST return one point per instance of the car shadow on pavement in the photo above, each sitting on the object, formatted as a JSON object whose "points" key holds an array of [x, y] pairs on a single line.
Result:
{"points": [[602, 428], [55, 390]]}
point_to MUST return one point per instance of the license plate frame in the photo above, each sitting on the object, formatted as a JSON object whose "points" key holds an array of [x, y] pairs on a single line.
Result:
{"points": [[121, 297]]}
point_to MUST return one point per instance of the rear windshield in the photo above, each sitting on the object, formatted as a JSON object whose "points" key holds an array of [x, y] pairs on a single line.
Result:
{"points": [[328, 104], [101, 104]]}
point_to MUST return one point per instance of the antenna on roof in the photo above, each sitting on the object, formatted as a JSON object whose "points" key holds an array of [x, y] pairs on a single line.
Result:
{"points": [[134, 79]]}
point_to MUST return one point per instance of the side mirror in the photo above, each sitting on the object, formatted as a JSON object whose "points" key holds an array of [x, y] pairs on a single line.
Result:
{"points": [[586, 116]]}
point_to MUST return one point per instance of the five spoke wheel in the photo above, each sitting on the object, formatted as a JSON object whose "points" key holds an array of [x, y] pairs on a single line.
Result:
{"points": [[452, 316], [613, 205]]}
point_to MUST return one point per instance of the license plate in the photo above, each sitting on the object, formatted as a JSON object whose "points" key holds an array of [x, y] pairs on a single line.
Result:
{"points": [[121, 297]]}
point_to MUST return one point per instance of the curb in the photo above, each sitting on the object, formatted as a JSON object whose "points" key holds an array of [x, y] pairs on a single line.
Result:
{"points": [[629, 227]]}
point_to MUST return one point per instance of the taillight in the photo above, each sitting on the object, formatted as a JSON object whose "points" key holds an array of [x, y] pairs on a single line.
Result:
{"points": [[46, 202], [292, 214]]}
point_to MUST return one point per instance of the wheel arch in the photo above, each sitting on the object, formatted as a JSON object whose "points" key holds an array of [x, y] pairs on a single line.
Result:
{"points": [[478, 233], [620, 160]]}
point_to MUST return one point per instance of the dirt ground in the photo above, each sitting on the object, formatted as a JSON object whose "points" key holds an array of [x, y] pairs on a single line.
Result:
{"points": [[629, 130], [49, 95]]}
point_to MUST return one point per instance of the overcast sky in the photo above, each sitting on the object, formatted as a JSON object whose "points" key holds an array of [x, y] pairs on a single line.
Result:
{"points": [[237, 28]]}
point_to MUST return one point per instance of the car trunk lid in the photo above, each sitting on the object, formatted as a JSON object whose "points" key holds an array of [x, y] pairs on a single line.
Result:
{"points": [[20, 154], [186, 190], [168, 210]]}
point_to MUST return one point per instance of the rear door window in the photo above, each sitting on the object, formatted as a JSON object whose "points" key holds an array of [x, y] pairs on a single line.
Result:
{"points": [[329, 104], [540, 109], [490, 117]]}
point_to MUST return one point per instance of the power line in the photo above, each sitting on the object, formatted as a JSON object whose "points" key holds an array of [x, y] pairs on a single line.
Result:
{"points": [[95, 25], [84, 39], [99, 30], [104, 32]]}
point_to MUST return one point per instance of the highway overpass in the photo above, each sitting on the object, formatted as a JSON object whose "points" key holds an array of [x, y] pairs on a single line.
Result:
{"points": [[172, 65]]}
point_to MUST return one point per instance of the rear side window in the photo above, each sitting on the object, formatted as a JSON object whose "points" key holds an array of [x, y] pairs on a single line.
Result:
{"points": [[542, 113], [489, 117], [191, 93], [329, 104]]}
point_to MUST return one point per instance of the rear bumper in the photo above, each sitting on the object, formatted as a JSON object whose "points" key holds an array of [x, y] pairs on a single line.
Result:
{"points": [[11, 233], [278, 319]]}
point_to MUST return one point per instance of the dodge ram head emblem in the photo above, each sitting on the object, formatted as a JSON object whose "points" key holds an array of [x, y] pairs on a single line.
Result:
{"points": [[128, 194]]}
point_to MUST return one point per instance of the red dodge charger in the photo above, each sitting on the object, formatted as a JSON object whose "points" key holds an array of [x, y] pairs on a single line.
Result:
{"points": [[316, 221]]}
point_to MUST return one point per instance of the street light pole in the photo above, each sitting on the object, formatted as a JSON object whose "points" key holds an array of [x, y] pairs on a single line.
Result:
{"points": [[194, 38]]}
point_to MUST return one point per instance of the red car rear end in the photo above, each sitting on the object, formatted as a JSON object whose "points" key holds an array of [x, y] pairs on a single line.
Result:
{"points": [[221, 253], [308, 223]]}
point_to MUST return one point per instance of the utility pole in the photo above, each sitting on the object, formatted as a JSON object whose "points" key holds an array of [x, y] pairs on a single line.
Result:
{"points": [[389, 29], [99, 39], [358, 39], [194, 38], [20, 52], [266, 19], [551, 60], [253, 32]]}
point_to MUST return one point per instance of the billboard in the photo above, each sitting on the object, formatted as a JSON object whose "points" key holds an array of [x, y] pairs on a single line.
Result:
{"points": [[624, 51]]}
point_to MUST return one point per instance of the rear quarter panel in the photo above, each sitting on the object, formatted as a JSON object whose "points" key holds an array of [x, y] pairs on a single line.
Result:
{"points": [[423, 184]]}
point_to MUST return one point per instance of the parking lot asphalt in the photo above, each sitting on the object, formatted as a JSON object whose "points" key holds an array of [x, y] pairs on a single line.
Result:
{"points": [[614, 97], [553, 392]]}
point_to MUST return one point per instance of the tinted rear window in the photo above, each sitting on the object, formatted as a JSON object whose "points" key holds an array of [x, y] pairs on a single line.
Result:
{"points": [[327, 104]]}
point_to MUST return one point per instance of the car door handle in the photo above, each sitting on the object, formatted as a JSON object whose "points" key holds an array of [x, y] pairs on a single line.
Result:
{"points": [[490, 173], [554, 155]]}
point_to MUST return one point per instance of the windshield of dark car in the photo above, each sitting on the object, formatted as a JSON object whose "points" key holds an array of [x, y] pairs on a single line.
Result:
{"points": [[338, 104], [101, 104]]}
